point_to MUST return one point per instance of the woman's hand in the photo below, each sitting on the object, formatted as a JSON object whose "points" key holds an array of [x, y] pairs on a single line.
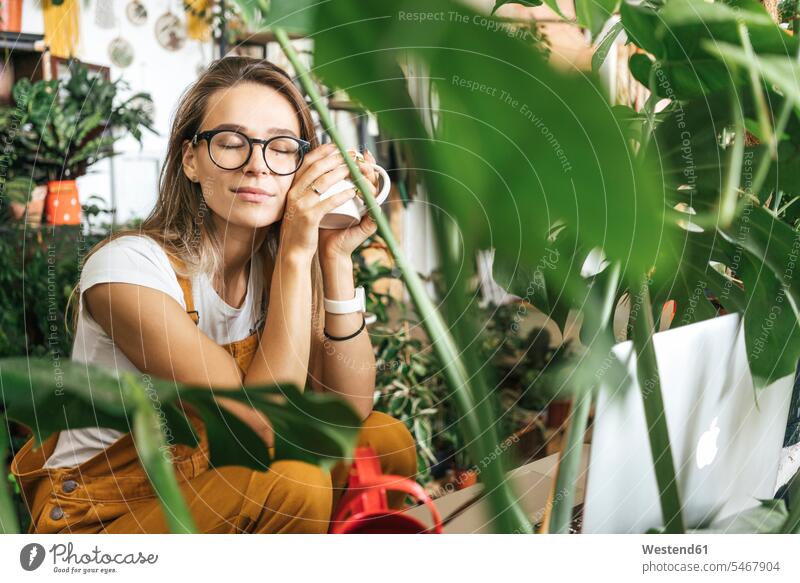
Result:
{"points": [[341, 243], [322, 168]]}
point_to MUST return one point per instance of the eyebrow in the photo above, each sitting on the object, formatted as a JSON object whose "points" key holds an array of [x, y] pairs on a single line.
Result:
{"points": [[240, 128]]}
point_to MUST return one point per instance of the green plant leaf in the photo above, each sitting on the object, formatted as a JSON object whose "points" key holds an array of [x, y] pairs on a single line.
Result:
{"points": [[766, 518], [593, 14], [76, 395], [770, 251], [500, 3], [604, 46], [641, 23], [681, 34], [640, 66], [528, 159], [294, 16], [318, 428], [151, 449], [231, 441], [779, 70], [8, 514], [47, 398]]}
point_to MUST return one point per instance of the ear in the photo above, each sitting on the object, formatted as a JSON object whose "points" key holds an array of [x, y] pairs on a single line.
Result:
{"points": [[189, 161]]}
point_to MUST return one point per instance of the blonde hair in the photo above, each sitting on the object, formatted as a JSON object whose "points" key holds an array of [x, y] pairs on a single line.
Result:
{"points": [[176, 220]]}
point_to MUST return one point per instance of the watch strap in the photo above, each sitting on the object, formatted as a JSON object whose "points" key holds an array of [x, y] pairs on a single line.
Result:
{"points": [[357, 304]]}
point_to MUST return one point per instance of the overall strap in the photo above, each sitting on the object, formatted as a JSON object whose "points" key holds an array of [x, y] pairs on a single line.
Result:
{"points": [[186, 287]]}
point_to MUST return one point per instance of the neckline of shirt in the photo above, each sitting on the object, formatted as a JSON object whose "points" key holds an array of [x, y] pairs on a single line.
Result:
{"points": [[225, 306]]}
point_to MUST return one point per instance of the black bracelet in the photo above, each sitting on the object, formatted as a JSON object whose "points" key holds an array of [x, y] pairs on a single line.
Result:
{"points": [[353, 335]]}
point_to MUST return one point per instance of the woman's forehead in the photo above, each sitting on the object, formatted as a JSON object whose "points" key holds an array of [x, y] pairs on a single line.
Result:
{"points": [[255, 108]]}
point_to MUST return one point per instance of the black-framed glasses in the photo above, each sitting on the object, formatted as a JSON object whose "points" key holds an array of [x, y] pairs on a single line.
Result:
{"points": [[231, 149]]}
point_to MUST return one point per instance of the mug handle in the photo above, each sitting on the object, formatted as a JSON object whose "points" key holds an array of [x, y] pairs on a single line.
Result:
{"points": [[386, 186]]}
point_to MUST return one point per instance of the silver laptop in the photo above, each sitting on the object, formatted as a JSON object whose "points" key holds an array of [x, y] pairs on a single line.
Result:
{"points": [[726, 438]]}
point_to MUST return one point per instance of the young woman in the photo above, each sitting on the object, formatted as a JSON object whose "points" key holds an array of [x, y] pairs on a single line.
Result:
{"points": [[223, 285]]}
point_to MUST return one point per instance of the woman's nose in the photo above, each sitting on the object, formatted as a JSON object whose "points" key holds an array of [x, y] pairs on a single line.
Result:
{"points": [[257, 163]]}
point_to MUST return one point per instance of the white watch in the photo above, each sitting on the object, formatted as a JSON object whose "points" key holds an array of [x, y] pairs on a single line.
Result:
{"points": [[357, 304]]}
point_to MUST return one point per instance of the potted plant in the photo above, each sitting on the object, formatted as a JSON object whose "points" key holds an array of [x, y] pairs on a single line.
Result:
{"points": [[23, 186], [26, 200], [69, 125], [11, 15]]}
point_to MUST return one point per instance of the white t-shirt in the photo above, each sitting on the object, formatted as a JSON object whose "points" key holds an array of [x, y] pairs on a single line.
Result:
{"points": [[140, 260]]}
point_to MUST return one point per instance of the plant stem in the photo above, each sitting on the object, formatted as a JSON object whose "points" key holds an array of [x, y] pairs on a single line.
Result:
{"points": [[149, 439], [509, 516], [596, 320], [650, 384], [771, 152], [786, 206], [650, 116], [568, 464], [730, 191], [8, 515], [758, 94]]}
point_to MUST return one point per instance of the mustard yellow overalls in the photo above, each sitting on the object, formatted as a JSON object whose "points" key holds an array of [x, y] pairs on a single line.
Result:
{"points": [[110, 493]]}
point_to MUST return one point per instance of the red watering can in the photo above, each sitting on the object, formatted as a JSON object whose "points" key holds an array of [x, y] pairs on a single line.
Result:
{"points": [[364, 508]]}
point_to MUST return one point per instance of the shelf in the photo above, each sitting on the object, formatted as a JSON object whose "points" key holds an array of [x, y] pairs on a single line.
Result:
{"points": [[22, 41], [259, 38], [336, 105]]}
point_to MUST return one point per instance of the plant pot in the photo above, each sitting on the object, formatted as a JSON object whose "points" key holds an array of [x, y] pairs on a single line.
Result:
{"points": [[31, 212], [557, 413], [11, 15], [62, 206], [465, 478]]}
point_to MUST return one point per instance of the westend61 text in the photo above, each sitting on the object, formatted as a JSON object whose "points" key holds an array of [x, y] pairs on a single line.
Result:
{"points": [[675, 550]]}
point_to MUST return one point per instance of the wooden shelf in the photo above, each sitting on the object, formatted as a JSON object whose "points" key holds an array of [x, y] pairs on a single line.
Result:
{"points": [[29, 56], [260, 38], [345, 106], [22, 41]]}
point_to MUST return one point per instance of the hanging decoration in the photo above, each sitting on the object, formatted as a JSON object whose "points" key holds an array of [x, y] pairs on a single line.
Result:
{"points": [[61, 26], [199, 17], [170, 31], [104, 16], [136, 12], [120, 52]]}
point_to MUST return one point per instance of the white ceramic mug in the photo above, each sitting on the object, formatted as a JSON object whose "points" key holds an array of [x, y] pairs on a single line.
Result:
{"points": [[351, 212]]}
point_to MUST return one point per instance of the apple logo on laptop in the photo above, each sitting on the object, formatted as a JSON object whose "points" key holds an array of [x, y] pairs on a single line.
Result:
{"points": [[707, 445]]}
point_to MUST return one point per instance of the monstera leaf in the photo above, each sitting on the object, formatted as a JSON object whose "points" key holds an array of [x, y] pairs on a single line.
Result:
{"points": [[678, 37], [75, 395], [756, 247], [518, 147]]}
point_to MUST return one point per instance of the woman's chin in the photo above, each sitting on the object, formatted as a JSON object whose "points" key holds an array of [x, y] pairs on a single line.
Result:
{"points": [[253, 217]]}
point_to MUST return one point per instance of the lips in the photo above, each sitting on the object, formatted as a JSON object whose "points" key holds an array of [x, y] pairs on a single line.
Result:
{"points": [[253, 194]]}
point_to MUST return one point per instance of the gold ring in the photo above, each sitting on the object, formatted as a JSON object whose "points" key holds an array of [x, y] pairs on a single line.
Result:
{"points": [[358, 155]]}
